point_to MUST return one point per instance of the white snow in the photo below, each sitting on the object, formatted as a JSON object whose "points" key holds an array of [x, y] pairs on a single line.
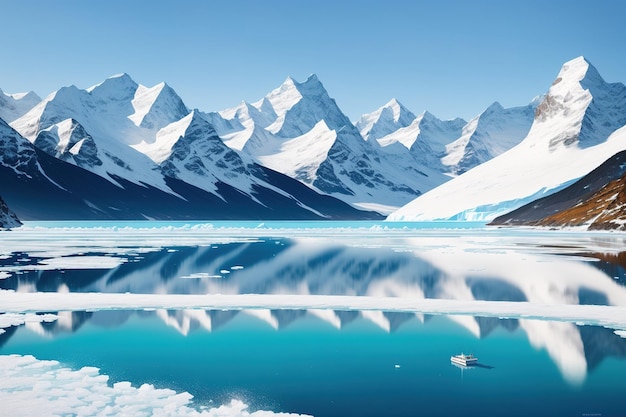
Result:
{"points": [[288, 158], [32, 387], [488, 135], [143, 100], [608, 316], [160, 148]]}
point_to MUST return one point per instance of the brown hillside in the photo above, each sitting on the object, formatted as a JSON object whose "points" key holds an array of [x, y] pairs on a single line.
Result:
{"points": [[604, 210]]}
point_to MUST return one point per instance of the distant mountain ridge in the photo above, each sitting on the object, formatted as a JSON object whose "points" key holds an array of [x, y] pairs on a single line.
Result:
{"points": [[13, 106]]}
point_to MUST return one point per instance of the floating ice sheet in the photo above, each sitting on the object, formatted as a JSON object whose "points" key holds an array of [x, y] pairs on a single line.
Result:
{"points": [[16, 319], [608, 316], [200, 275], [32, 387]]}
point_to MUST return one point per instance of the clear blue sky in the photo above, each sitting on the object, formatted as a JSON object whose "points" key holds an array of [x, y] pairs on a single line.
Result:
{"points": [[453, 58]]}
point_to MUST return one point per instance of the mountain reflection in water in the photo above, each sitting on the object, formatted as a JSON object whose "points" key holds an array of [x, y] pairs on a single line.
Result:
{"points": [[323, 267]]}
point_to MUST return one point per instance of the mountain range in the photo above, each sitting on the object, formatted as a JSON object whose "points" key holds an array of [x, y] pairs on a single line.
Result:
{"points": [[123, 150]]}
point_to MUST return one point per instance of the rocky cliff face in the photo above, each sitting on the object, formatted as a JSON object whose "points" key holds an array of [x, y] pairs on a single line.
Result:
{"points": [[8, 219], [603, 210]]}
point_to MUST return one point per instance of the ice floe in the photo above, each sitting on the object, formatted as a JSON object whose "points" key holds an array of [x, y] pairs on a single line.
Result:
{"points": [[200, 275], [613, 317], [32, 387], [17, 319]]}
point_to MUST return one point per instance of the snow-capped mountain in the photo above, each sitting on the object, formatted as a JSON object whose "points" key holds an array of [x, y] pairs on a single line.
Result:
{"points": [[426, 138], [13, 106], [386, 119], [298, 130], [94, 129], [452, 146], [577, 126]]}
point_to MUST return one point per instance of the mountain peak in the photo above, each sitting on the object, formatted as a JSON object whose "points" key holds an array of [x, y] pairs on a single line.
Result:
{"points": [[117, 79], [398, 110], [393, 103], [13, 106], [30, 95], [117, 87], [384, 120], [581, 106], [494, 107], [157, 106], [311, 86], [578, 70]]}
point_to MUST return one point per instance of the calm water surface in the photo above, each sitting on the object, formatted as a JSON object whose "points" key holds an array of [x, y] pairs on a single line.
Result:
{"points": [[333, 363]]}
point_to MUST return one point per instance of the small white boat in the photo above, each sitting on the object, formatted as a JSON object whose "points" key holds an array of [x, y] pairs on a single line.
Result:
{"points": [[465, 360]]}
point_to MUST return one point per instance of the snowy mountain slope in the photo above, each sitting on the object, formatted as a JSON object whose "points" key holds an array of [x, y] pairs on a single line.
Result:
{"points": [[14, 106], [102, 112], [300, 106], [427, 128], [39, 186], [298, 130], [455, 146], [423, 144], [288, 111], [189, 149], [488, 135], [157, 107], [386, 119], [568, 138], [16, 153], [68, 140]]}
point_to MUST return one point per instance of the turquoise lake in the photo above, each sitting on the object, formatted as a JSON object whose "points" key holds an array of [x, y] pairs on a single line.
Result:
{"points": [[326, 362]]}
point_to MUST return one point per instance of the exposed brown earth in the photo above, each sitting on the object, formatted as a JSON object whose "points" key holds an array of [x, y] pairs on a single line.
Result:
{"points": [[603, 210]]}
